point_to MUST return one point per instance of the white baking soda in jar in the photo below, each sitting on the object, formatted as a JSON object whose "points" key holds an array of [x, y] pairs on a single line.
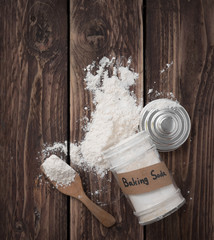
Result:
{"points": [[144, 178]]}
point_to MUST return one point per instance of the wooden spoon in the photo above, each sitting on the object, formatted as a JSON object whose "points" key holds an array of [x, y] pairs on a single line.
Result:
{"points": [[75, 189]]}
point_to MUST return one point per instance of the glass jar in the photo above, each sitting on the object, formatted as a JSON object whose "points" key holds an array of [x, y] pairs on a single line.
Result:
{"points": [[144, 178]]}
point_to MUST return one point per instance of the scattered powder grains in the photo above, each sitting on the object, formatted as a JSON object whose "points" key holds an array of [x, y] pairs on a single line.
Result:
{"points": [[162, 104], [116, 114], [56, 147], [150, 91], [58, 171], [168, 65]]}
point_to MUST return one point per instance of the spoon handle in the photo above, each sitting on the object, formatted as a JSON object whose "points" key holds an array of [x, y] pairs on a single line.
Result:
{"points": [[104, 217]]}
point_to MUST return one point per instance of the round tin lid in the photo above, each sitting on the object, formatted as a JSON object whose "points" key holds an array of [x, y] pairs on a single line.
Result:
{"points": [[167, 122]]}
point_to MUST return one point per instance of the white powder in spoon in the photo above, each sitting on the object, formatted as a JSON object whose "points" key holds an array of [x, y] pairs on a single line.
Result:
{"points": [[58, 171]]}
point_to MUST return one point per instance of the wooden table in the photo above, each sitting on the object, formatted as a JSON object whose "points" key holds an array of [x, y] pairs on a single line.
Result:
{"points": [[42, 99]]}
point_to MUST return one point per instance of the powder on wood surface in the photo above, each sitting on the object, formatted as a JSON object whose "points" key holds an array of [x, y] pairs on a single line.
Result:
{"points": [[56, 147], [58, 171], [162, 104], [116, 115], [168, 65], [150, 91], [115, 118]]}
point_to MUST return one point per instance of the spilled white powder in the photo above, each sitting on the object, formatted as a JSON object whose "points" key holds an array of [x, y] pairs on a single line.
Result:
{"points": [[116, 115], [162, 104], [58, 171], [163, 94], [115, 118], [170, 94], [150, 91], [157, 94], [56, 147], [168, 65]]}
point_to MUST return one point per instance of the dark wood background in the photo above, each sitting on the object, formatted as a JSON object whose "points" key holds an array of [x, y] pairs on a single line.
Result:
{"points": [[44, 47]]}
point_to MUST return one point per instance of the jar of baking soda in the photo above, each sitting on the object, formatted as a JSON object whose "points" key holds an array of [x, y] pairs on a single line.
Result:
{"points": [[144, 178]]}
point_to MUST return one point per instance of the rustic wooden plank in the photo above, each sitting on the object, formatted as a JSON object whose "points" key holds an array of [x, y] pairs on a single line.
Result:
{"points": [[33, 106], [102, 28], [182, 32]]}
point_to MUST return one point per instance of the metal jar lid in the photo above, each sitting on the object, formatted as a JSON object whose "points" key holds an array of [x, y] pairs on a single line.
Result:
{"points": [[167, 122]]}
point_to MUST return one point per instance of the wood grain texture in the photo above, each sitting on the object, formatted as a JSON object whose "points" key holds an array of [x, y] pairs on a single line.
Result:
{"points": [[112, 29], [182, 32], [33, 107]]}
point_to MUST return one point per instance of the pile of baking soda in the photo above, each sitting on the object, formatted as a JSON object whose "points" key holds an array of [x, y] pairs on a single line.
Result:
{"points": [[116, 114], [58, 171]]}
